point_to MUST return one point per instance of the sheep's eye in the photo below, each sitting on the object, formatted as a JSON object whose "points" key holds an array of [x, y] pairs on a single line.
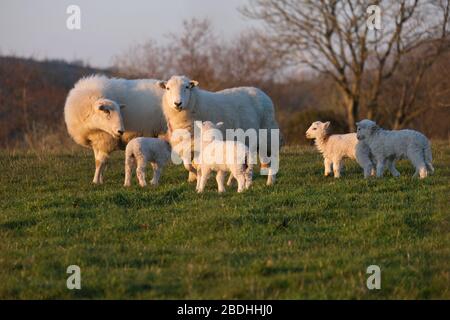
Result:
{"points": [[314, 128], [187, 87], [168, 89]]}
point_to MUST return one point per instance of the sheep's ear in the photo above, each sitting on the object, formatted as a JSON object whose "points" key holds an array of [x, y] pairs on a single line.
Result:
{"points": [[162, 84], [122, 106], [193, 83], [357, 123], [375, 128], [219, 124], [327, 124]]}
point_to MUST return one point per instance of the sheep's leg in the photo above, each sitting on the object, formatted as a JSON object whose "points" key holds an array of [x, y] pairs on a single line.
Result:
{"points": [[129, 166], [156, 173], [192, 177], [391, 165], [380, 167], [220, 178], [101, 158], [328, 164], [337, 167], [140, 172], [204, 178]]}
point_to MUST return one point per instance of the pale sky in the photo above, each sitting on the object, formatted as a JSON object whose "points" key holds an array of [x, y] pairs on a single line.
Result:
{"points": [[38, 27]]}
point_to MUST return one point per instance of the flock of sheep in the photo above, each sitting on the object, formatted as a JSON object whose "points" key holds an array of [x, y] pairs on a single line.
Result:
{"points": [[108, 114]]}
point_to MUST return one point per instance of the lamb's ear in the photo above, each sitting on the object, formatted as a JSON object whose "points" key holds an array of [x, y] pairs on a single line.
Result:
{"points": [[357, 123], [193, 83], [162, 84], [122, 106], [327, 124], [375, 128], [219, 124]]}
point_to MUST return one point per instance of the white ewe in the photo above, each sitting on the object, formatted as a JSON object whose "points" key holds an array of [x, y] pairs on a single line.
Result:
{"points": [[104, 114], [139, 152], [336, 147], [238, 108], [388, 146], [222, 157]]}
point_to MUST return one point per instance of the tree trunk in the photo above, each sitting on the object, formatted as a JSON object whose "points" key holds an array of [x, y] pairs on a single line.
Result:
{"points": [[351, 105]]}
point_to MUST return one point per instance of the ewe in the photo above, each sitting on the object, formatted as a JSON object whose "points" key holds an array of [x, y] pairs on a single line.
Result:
{"points": [[238, 108], [104, 114], [222, 157], [338, 146], [388, 146], [139, 152]]}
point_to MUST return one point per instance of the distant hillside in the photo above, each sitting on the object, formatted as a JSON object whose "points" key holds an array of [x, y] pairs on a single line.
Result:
{"points": [[32, 95]]}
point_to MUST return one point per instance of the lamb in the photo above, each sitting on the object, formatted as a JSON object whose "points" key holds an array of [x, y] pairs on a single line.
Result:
{"points": [[139, 152], [222, 156], [106, 113], [238, 108], [388, 146], [336, 147]]}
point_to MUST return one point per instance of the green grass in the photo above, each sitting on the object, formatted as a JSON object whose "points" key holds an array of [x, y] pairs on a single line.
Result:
{"points": [[307, 237]]}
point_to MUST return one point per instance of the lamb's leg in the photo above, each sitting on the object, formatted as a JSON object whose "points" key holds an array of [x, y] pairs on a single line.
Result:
{"points": [[337, 167], [419, 163], [328, 166], [140, 172], [391, 165], [204, 178], [156, 173], [230, 180], [380, 167], [240, 177], [248, 176], [101, 158], [199, 178], [129, 166], [220, 178]]}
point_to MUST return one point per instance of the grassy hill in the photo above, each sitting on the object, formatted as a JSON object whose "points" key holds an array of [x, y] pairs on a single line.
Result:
{"points": [[306, 237]]}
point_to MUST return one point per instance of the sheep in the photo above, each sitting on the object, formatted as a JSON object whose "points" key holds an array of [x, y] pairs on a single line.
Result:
{"points": [[139, 152], [238, 108], [222, 156], [336, 147], [106, 113], [388, 146]]}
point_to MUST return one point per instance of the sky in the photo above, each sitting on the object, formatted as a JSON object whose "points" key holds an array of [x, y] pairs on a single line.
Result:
{"points": [[38, 28]]}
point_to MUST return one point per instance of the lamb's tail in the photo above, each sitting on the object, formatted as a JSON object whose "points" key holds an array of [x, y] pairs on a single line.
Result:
{"points": [[129, 158], [428, 157]]}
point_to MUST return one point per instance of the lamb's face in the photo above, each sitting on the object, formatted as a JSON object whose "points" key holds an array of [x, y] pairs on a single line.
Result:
{"points": [[107, 117], [210, 132], [365, 129], [178, 91], [317, 129]]}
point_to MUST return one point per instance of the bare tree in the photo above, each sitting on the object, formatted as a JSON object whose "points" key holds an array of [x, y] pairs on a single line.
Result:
{"points": [[332, 37]]}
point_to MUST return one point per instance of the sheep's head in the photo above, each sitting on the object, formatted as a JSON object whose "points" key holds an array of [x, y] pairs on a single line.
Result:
{"points": [[210, 131], [107, 117], [318, 129], [178, 91], [365, 128]]}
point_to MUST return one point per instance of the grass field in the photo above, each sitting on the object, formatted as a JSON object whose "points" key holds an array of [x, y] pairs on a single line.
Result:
{"points": [[307, 237]]}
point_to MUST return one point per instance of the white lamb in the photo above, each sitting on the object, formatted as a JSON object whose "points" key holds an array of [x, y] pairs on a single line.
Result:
{"points": [[106, 113], [336, 147], [222, 157], [388, 146], [238, 108], [139, 152]]}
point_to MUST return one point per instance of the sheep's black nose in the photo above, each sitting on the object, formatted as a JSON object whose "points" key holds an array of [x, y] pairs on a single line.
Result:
{"points": [[177, 104], [120, 132]]}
